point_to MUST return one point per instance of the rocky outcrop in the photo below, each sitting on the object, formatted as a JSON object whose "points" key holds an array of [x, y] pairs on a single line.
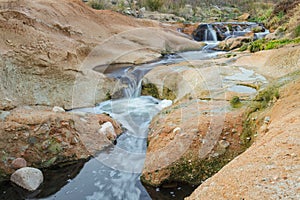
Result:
{"points": [[44, 138], [223, 30], [272, 63], [269, 169], [28, 178], [234, 43], [49, 49], [201, 80], [190, 141]]}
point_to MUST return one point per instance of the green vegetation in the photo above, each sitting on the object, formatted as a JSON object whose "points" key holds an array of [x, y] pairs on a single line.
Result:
{"points": [[244, 47], [194, 171], [97, 4], [264, 44], [263, 100], [235, 102], [154, 5], [297, 31], [150, 89]]}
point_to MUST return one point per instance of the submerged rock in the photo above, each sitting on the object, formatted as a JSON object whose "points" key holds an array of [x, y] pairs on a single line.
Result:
{"points": [[28, 178]]}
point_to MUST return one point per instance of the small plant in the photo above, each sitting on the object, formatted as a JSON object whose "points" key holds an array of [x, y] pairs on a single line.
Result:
{"points": [[297, 31], [235, 102], [97, 4], [244, 47], [256, 45], [154, 5]]}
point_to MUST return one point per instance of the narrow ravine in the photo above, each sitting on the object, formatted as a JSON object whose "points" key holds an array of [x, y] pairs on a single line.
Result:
{"points": [[115, 172]]}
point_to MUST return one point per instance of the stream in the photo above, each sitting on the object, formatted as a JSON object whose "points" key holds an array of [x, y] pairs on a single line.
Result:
{"points": [[114, 174]]}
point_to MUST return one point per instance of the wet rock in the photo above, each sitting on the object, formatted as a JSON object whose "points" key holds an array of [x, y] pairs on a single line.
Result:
{"points": [[28, 178], [58, 109], [18, 163], [164, 104]]}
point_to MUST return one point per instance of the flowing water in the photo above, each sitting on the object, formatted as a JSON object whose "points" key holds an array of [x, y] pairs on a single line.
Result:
{"points": [[114, 174]]}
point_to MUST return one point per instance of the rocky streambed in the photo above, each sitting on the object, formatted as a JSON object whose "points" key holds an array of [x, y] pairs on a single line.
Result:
{"points": [[49, 59]]}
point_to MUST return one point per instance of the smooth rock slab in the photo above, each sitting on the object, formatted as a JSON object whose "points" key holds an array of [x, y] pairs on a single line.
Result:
{"points": [[28, 178]]}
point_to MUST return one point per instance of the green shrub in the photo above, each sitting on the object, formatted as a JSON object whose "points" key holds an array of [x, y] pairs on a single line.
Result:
{"points": [[297, 31], [97, 4], [244, 47], [257, 45], [154, 5], [235, 102], [263, 44]]}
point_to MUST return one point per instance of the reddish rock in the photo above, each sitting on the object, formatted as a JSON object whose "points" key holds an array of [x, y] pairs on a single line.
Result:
{"points": [[44, 138], [18, 163], [270, 168]]}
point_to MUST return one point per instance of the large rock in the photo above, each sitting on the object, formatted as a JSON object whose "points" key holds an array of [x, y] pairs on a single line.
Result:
{"points": [[173, 82], [190, 141], [209, 79], [45, 138], [49, 58], [234, 43], [28, 178], [270, 168], [272, 63]]}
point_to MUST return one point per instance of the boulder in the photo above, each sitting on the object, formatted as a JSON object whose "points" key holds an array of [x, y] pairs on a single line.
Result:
{"points": [[189, 142], [234, 43], [244, 17], [173, 82], [28, 178], [45, 138]]}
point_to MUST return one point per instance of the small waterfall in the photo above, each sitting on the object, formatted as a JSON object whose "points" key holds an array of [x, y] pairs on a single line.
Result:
{"points": [[210, 34], [222, 30]]}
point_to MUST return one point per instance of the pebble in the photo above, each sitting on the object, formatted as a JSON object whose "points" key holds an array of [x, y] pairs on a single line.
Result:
{"points": [[224, 144], [267, 120], [18, 163], [58, 109], [28, 178]]}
